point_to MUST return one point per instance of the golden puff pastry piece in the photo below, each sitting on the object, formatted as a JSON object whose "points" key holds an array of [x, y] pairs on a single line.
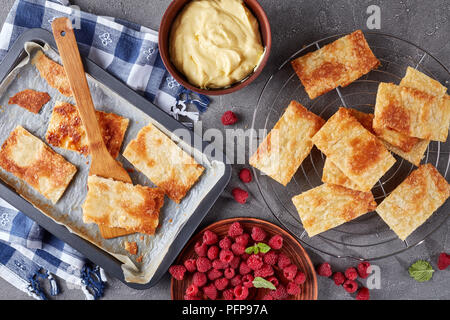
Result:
{"points": [[52, 72]]}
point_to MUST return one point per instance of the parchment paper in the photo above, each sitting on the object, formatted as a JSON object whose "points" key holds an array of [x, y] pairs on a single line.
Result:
{"points": [[68, 209]]}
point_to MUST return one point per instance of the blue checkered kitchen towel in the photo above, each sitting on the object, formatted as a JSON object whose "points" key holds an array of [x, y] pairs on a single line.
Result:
{"points": [[128, 51]]}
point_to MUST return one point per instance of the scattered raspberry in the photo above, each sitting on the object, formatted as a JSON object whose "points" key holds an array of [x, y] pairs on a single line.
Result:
{"points": [[228, 294], [226, 256], [276, 242], [245, 175], [324, 270], [203, 264], [199, 279], [229, 118], [350, 286], [221, 283], [362, 269], [225, 243], [443, 261], [280, 293], [290, 272], [237, 249], [274, 281], [267, 297], [258, 234], [236, 281], [240, 293], [210, 237], [243, 239], [293, 288], [247, 280], [338, 278], [351, 273], [244, 268], [188, 297], [190, 266], [214, 274], [255, 262], [265, 271], [300, 278], [240, 195], [283, 261], [213, 253], [270, 258], [235, 262], [219, 264], [363, 294], [210, 291], [201, 249], [235, 230], [177, 271], [229, 273], [192, 290]]}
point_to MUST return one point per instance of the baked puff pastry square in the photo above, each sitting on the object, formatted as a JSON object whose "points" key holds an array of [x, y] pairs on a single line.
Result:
{"points": [[52, 72], [328, 206], [414, 200], [287, 144], [31, 160], [360, 155]]}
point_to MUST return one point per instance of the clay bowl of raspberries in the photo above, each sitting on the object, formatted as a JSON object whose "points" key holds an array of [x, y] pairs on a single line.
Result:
{"points": [[243, 259]]}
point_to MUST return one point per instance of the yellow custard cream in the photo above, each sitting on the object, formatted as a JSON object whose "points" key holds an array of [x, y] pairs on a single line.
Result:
{"points": [[215, 43]]}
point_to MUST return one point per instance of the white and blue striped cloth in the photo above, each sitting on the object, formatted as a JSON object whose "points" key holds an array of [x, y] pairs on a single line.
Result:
{"points": [[129, 52]]}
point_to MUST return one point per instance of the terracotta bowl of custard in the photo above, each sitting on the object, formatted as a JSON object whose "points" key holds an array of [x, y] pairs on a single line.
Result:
{"points": [[175, 7]]}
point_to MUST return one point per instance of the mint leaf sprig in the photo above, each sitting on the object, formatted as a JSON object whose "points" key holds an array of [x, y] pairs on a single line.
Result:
{"points": [[421, 271], [258, 247], [259, 282]]}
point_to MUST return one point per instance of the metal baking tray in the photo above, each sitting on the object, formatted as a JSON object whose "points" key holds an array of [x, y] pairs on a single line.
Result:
{"points": [[109, 263]]}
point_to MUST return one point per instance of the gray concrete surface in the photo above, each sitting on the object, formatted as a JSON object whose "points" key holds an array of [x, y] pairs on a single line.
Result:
{"points": [[294, 24]]}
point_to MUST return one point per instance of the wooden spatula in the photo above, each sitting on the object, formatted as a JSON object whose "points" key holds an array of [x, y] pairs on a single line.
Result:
{"points": [[102, 163]]}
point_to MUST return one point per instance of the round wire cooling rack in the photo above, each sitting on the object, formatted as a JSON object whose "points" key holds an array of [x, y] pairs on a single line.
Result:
{"points": [[367, 237]]}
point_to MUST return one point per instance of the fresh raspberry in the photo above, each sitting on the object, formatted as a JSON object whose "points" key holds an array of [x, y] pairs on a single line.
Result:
{"points": [[267, 297], [258, 234], [265, 271], [240, 292], [229, 118], [363, 294], [270, 258], [190, 266], [210, 291], [276, 242], [235, 262], [443, 261], [221, 283], [177, 271], [338, 278], [214, 274], [213, 253], [324, 270], [290, 271], [236, 281], [228, 294], [280, 293], [283, 261], [199, 279], [300, 278], [219, 264], [247, 280], [273, 280], [255, 262], [235, 230], [293, 288], [192, 290], [351, 273], [243, 239], [188, 297], [240, 195], [226, 256], [225, 243], [244, 268], [210, 237], [229, 273], [350, 286], [237, 249], [203, 264], [363, 269], [201, 248], [245, 175]]}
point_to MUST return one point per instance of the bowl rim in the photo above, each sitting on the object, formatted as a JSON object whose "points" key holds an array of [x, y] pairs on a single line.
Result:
{"points": [[164, 53]]}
